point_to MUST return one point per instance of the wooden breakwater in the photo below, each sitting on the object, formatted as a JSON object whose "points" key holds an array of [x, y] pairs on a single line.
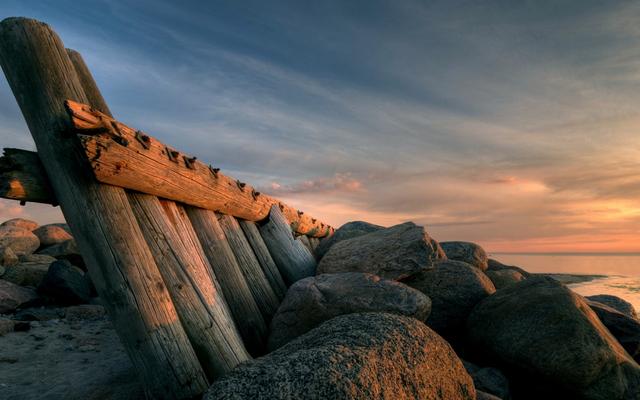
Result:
{"points": [[189, 262]]}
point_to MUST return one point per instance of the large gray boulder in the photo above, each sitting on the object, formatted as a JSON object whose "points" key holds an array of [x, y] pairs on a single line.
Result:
{"points": [[615, 302], [623, 327], [8, 257], [551, 343], [454, 288], [20, 240], [468, 252], [51, 234], [67, 250], [65, 283], [347, 231], [391, 253], [314, 300], [13, 296], [488, 379], [27, 273], [355, 356], [20, 223], [505, 277], [495, 265]]}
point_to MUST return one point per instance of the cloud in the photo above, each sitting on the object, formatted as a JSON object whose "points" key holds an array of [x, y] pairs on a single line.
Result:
{"points": [[494, 122]]}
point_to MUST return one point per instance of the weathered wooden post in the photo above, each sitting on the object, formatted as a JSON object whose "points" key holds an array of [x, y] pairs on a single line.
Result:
{"points": [[262, 292], [269, 266], [22, 177], [246, 313], [122, 267], [294, 261], [186, 272]]}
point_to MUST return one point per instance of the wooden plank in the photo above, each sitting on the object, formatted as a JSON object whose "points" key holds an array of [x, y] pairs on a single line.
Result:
{"points": [[23, 178], [188, 276], [293, 259], [267, 264], [125, 157], [235, 288], [125, 274], [262, 292]]}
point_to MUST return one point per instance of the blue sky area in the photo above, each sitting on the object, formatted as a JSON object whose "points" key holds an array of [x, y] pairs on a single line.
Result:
{"points": [[513, 124]]}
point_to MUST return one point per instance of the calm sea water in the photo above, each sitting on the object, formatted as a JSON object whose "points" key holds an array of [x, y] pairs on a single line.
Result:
{"points": [[623, 270]]}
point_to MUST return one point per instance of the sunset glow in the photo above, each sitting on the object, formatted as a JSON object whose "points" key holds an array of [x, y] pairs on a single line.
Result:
{"points": [[511, 125]]}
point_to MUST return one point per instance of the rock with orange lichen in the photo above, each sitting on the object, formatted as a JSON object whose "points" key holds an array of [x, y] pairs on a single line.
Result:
{"points": [[355, 356]]}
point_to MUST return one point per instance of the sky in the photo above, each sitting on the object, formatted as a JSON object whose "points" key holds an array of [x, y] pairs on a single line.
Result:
{"points": [[510, 124]]}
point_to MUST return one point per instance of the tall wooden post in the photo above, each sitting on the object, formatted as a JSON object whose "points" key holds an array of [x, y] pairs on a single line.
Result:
{"points": [[200, 305], [125, 274], [246, 313], [294, 261]]}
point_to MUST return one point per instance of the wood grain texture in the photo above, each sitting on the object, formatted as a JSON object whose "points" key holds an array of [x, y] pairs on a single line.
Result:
{"points": [[184, 267], [293, 259], [193, 288], [245, 311], [261, 290], [125, 274], [125, 157], [305, 241], [267, 264], [23, 178]]}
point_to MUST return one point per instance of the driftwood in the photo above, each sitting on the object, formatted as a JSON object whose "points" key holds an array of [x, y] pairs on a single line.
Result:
{"points": [[23, 178], [125, 157], [121, 265], [262, 292], [244, 308], [267, 264], [293, 259], [188, 276]]}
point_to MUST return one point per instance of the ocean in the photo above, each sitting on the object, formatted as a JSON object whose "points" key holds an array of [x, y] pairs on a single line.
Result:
{"points": [[622, 270]]}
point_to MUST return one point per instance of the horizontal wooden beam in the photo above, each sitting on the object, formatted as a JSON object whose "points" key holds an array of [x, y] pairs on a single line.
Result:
{"points": [[126, 157], [22, 178]]}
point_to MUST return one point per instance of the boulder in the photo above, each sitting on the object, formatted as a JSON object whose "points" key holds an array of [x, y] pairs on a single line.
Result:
{"points": [[468, 252], [480, 395], [489, 380], [20, 223], [454, 288], [314, 300], [65, 251], [65, 283], [20, 240], [551, 344], [7, 257], [623, 327], [347, 231], [27, 273], [615, 302], [391, 253], [354, 356], [494, 265], [504, 277], [37, 258], [51, 234], [13, 296]]}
